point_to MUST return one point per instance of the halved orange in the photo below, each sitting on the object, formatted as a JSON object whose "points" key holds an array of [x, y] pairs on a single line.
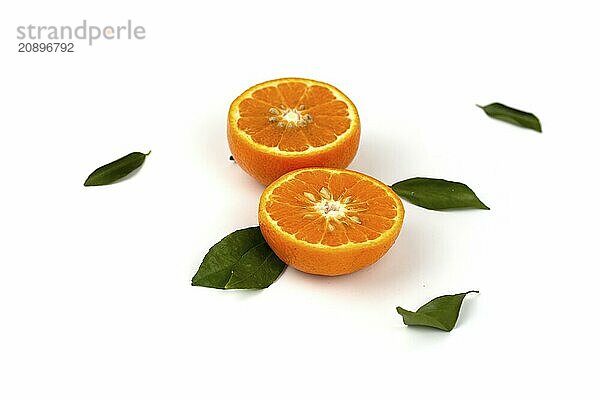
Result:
{"points": [[285, 124], [329, 221]]}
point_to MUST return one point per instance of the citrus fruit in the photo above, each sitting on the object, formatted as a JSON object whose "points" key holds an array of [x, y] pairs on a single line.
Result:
{"points": [[329, 221], [285, 124]]}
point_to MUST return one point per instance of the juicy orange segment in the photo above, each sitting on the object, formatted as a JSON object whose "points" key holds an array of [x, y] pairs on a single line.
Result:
{"points": [[341, 207], [329, 221], [290, 123], [293, 116]]}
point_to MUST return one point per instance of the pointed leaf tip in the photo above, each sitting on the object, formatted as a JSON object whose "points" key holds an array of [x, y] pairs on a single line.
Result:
{"points": [[513, 116], [440, 313], [116, 170], [438, 194]]}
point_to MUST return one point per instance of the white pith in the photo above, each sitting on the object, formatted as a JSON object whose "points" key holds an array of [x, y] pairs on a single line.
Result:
{"points": [[286, 117], [291, 116], [331, 208], [340, 210]]}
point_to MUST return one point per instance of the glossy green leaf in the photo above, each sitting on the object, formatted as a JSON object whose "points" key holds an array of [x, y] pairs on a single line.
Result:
{"points": [[241, 260], [441, 312], [512, 116], [116, 170], [437, 194]]}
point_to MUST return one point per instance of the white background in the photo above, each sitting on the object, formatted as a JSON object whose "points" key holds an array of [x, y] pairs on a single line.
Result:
{"points": [[95, 295]]}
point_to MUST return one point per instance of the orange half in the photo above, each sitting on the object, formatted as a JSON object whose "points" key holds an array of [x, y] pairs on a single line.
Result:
{"points": [[285, 124], [329, 221]]}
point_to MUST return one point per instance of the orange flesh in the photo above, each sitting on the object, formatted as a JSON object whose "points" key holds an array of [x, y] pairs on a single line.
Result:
{"points": [[331, 208], [293, 116]]}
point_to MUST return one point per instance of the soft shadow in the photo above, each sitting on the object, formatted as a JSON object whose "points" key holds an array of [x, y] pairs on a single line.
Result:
{"points": [[245, 294], [377, 158], [424, 330]]}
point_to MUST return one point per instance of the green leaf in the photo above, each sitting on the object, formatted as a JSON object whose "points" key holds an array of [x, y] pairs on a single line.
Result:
{"points": [[241, 260], [437, 194], [441, 312], [116, 170], [512, 116]]}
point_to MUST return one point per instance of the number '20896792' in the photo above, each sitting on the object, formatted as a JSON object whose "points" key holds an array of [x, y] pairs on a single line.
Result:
{"points": [[56, 47]]}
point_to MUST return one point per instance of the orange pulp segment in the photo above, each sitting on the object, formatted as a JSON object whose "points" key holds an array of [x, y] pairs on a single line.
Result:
{"points": [[294, 115]]}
